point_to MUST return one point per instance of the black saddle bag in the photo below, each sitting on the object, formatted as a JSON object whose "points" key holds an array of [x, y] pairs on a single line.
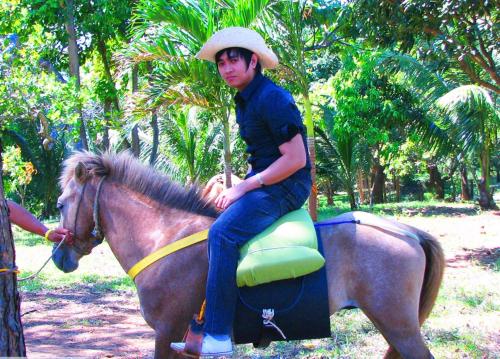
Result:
{"points": [[293, 309]]}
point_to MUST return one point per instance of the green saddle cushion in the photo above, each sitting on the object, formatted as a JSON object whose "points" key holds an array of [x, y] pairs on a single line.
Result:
{"points": [[287, 249]]}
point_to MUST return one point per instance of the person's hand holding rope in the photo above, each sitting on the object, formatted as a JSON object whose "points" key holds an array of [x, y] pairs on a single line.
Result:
{"points": [[56, 235]]}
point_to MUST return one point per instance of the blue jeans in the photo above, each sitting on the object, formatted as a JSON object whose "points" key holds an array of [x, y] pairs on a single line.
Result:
{"points": [[240, 222]]}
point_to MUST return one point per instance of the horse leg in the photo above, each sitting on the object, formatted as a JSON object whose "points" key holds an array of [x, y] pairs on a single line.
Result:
{"points": [[401, 330], [162, 347], [396, 317]]}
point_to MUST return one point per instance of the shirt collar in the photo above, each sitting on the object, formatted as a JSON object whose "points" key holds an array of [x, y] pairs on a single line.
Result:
{"points": [[250, 89]]}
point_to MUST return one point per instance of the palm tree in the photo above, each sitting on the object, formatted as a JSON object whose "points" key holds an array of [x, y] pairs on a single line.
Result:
{"points": [[294, 29], [467, 115], [334, 144], [192, 145], [169, 33], [474, 120]]}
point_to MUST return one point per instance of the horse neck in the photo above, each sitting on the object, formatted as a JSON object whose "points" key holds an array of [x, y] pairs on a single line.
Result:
{"points": [[136, 226]]}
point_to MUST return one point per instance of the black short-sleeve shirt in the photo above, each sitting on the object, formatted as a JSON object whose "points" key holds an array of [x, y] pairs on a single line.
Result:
{"points": [[268, 117]]}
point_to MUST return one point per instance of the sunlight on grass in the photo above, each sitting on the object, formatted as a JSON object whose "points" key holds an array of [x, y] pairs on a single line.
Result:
{"points": [[99, 270], [429, 207]]}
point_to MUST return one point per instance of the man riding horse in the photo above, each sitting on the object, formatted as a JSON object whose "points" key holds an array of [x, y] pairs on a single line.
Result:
{"points": [[279, 179]]}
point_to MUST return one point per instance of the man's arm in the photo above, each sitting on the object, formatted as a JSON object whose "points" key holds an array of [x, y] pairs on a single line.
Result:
{"points": [[293, 158]]}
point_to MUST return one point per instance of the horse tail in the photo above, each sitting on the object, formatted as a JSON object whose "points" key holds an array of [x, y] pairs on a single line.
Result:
{"points": [[434, 269]]}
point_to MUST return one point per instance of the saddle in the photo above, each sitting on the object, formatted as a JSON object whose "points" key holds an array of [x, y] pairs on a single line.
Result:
{"points": [[287, 249], [280, 277]]}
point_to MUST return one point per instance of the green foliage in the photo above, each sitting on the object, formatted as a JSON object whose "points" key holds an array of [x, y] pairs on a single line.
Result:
{"points": [[466, 117], [37, 114], [457, 34], [28, 90], [18, 172], [193, 145]]}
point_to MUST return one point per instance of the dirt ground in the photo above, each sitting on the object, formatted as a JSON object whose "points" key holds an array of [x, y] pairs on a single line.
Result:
{"points": [[85, 323]]}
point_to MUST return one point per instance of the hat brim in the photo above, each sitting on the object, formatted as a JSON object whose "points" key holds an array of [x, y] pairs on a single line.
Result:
{"points": [[238, 37]]}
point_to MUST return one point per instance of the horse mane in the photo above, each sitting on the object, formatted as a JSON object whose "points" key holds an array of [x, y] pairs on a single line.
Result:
{"points": [[127, 170]]}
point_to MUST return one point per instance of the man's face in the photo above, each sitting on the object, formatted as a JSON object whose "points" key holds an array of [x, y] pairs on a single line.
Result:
{"points": [[235, 71]]}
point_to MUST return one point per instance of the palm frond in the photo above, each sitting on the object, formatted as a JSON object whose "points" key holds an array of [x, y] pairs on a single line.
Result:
{"points": [[242, 12], [471, 114], [428, 84]]}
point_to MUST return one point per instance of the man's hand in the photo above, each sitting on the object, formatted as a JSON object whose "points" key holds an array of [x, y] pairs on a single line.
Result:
{"points": [[229, 196]]}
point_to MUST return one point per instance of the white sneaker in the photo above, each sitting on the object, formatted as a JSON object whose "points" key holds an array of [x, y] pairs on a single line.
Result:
{"points": [[211, 347]]}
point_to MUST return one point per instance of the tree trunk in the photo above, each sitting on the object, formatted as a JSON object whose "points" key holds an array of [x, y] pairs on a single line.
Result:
{"points": [[435, 180], [107, 120], [464, 182], [154, 125], [74, 64], [329, 193], [352, 199], [313, 198], [136, 146], [397, 188], [377, 190], [485, 196], [156, 138], [11, 329], [227, 149], [361, 187]]}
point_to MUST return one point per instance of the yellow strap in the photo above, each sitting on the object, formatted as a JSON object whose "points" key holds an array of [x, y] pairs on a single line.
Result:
{"points": [[5, 270], [165, 251]]}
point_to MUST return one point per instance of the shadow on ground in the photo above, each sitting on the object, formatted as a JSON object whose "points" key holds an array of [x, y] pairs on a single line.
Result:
{"points": [[485, 257], [430, 211], [77, 322]]}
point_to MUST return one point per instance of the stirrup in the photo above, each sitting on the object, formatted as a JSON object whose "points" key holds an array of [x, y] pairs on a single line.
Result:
{"points": [[193, 339]]}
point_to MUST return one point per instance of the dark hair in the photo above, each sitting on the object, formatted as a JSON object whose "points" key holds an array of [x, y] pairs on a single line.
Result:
{"points": [[234, 52]]}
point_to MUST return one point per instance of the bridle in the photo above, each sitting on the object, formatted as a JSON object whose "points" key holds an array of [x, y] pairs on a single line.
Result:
{"points": [[97, 233]]}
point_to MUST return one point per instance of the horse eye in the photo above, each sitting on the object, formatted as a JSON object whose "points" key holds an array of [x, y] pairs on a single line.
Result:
{"points": [[59, 205]]}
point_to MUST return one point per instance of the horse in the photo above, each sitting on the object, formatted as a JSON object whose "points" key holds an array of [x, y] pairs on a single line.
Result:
{"points": [[389, 270]]}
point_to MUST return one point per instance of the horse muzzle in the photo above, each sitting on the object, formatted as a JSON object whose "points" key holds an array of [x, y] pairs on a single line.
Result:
{"points": [[65, 258]]}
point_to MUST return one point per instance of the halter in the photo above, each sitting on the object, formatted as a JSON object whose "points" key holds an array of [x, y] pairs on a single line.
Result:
{"points": [[97, 231]]}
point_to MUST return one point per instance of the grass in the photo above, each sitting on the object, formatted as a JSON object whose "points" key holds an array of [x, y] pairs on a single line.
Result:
{"points": [[465, 321], [429, 207], [99, 271]]}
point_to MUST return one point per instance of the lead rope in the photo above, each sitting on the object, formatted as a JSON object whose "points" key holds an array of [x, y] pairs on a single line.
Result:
{"points": [[47, 261]]}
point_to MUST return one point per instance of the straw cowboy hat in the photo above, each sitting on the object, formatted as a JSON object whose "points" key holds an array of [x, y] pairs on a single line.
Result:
{"points": [[238, 37]]}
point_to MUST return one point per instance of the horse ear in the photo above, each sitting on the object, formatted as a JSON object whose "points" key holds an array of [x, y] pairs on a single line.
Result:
{"points": [[81, 172]]}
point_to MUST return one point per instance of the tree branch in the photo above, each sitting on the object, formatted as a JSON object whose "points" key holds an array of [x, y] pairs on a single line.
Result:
{"points": [[476, 58], [475, 78]]}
